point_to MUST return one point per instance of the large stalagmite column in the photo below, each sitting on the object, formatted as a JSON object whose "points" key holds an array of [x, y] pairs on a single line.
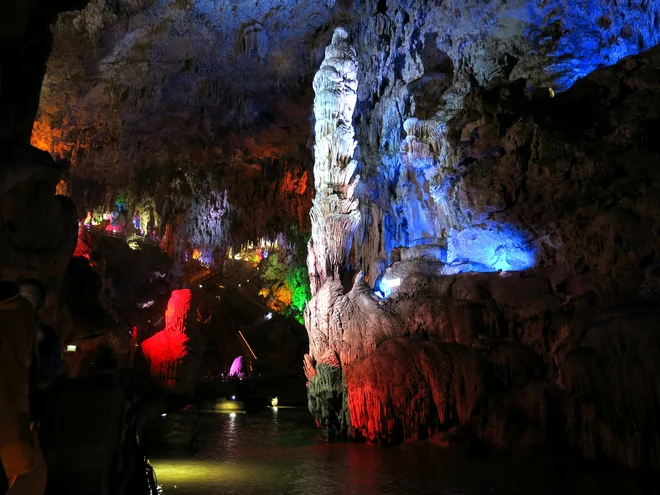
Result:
{"points": [[335, 215], [335, 219]]}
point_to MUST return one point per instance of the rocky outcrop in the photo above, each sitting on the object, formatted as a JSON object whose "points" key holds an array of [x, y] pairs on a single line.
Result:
{"points": [[504, 219], [25, 44], [172, 354], [225, 91], [553, 194], [38, 229], [222, 159]]}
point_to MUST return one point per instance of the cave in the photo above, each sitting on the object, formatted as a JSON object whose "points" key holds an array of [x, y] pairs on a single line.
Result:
{"points": [[374, 246]]}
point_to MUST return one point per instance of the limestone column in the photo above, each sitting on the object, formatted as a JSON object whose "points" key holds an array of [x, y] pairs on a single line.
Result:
{"points": [[334, 214]]}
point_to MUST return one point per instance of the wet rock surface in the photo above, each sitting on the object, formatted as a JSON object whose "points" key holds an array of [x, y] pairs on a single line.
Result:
{"points": [[514, 358], [485, 229]]}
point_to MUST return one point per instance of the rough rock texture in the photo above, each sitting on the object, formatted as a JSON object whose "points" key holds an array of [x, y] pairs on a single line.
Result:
{"points": [[556, 195], [172, 354], [38, 229], [170, 103], [196, 112], [25, 44], [334, 214], [417, 63], [467, 163]]}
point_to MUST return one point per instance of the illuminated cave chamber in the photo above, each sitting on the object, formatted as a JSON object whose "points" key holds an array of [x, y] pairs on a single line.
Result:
{"points": [[483, 252], [467, 277]]}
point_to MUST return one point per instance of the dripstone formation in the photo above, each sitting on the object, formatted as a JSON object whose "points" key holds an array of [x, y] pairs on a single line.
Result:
{"points": [[529, 324]]}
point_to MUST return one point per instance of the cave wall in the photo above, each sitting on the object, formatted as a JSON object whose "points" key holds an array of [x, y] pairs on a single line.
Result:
{"points": [[191, 111], [416, 64], [507, 230], [37, 228], [508, 244], [143, 96]]}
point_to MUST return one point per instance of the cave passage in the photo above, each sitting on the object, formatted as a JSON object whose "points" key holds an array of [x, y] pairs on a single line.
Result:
{"points": [[339, 246]]}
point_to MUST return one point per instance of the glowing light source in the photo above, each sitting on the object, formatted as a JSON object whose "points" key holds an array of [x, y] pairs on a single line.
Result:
{"points": [[236, 367], [274, 402], [386, 285], [490, 250], [71, 348], [246, 343], [233, 397], [164, 415], [268, 316]]}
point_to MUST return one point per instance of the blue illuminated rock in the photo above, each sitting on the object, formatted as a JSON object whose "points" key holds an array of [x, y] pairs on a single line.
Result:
{"points": [[506, 243]]}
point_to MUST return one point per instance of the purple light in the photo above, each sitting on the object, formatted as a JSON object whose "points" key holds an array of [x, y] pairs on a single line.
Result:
{"points": [[237, 367]]}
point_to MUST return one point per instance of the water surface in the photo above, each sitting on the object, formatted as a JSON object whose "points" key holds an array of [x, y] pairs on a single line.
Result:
{"points": [[281, 452]]}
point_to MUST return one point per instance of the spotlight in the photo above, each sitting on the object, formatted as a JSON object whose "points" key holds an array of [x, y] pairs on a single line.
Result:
{"points": [[233, 397]]}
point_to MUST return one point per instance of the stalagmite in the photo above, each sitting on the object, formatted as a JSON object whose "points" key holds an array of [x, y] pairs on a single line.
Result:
{"points": [[335, 215], [335, 218]]}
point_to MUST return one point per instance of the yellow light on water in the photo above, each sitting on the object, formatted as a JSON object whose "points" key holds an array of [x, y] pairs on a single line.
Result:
{"points": [[184, 472]]}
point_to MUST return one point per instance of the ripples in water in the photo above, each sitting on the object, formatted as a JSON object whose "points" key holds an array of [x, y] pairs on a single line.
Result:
{"points": [[281, 452]]}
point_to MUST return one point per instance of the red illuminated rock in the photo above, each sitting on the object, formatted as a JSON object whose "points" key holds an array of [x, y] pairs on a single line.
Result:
{"points": [[168, 351], [561, 356]]}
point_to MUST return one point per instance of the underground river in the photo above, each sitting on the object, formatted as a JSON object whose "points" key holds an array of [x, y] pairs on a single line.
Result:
{"points": [[281, 452]]}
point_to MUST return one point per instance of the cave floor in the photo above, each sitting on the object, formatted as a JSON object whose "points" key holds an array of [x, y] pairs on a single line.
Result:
{"points": [[281, 452]]}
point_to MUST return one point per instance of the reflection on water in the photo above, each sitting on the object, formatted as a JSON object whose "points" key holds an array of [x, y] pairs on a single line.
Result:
{"points": [[280, 452]]}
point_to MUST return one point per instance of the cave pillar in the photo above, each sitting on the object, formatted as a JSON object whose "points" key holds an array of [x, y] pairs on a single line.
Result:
{"points": [[334, 214], [335, 218]]}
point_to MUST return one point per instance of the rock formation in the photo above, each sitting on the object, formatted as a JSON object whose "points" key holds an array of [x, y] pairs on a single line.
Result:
{"points": [[550, 193], [172, 354], [334, 213], [493, 272], [335, 216], [226, 91]]}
